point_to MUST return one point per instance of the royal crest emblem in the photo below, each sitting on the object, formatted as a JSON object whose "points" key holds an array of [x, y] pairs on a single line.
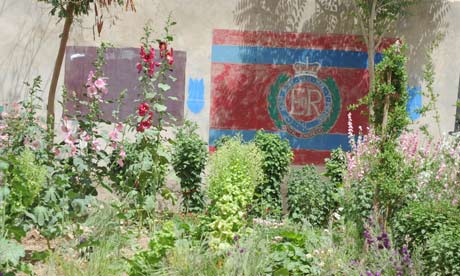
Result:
{"points": [[303, 104]]}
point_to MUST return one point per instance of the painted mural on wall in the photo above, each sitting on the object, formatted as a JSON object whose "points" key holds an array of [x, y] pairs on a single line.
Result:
{"points": [[296, 85], [120, 69]]}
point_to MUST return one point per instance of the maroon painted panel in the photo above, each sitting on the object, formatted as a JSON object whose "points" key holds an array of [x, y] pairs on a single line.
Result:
{"points": [[120, 69]]}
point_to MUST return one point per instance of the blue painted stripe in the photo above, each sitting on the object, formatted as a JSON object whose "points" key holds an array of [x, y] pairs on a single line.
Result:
{"points": [[414, 104], [265, 55], [319, 142]]}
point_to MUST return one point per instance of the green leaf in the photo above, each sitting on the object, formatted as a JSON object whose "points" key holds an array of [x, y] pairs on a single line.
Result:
{"points": [[160, 107], [10, 252], [163, 86]]}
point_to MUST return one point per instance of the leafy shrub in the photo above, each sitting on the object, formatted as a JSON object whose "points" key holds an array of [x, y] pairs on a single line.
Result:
{"points": [[442, 252], [309, 197], [147, 262], [235, 172], [189, 160], [336, 166], [277, 155], [25, 179], [288, 253], [419, 220]]}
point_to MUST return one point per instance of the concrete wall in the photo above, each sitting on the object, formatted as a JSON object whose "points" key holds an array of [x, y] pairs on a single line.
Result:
{"points": [[29, 38]]}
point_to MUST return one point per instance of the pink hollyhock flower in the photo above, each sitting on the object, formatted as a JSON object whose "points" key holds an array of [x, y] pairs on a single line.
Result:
{"points": [[68, 131], [100, 83], [96, 145], [85, 136], [90, 80], [35, 145], [113, 135], [170, 57], [123, 154], [56, 151], [4, 137], [143, 109], [120, 162], [92, 91], [119, 127], [73, 150], [140, 128]]}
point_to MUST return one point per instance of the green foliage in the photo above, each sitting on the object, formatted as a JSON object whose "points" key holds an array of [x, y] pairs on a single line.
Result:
{"points": [[277, 155], [82, 7], [387, 187], [309, 197], [10, 254], [418, 221], [235, 172], [442, 252], [221, 141], [146, 262], [189, 160], [288, 254], [25, 178], [336, 166], [390, 94]]}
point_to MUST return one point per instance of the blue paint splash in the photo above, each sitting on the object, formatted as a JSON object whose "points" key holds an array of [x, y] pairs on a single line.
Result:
{"points": [[195, 101], [415, 102]]}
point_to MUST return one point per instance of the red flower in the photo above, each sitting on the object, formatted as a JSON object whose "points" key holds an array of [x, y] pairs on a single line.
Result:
{"points": [[146, 124], [140, 128], [142, 53], [143, 109], [150, 115], [147, 57], [143, 125], [170, 57], [163, 46], [139, 67], [151, 69]]}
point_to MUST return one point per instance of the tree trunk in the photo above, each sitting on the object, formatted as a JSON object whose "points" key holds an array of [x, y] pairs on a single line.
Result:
{"points": [[371, 56], [58, 65]]}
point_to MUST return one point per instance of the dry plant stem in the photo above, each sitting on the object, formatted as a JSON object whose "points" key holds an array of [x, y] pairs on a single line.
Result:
{"points": [[58, 64]]}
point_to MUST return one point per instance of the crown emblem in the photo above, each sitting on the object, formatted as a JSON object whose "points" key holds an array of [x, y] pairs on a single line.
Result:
{"points": [[307, 68]]}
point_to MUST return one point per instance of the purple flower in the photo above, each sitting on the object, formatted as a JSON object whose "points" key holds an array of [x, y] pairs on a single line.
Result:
{"points": [[368, 273], [236, 238], [82, 240], [242, 250]]}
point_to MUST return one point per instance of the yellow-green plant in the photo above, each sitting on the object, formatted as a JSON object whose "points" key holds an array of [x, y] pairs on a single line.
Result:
{"points": [[235, 172]]}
